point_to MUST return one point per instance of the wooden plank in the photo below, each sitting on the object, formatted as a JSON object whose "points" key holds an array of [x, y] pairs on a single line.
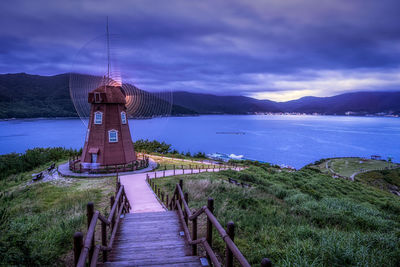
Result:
{"points": [[158, 224], [153, 243], [181, 261], [161, 254], [148, 249], [151, 214], [150, 239]]}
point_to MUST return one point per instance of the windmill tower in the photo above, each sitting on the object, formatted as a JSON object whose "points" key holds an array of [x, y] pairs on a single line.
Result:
{"points": [[108, 139], [104, 102]]}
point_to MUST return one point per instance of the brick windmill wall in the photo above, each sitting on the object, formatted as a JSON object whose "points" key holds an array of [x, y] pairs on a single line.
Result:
{"points": [[108, 138]]}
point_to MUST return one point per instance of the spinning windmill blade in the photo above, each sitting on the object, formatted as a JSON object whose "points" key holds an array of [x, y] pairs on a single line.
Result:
{"points": [[96, 65]]}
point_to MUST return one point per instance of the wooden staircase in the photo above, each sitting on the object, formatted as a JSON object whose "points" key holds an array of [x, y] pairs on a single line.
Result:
{"points": [[151, 239], [154, 238]]}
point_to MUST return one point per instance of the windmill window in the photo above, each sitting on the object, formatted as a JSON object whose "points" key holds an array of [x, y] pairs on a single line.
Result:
{"points": [[98, 117], [97, 97], [113, 136], [123, 117]]}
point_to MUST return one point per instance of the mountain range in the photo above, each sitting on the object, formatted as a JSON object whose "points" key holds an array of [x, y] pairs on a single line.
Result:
{"points": [[29, 96]]}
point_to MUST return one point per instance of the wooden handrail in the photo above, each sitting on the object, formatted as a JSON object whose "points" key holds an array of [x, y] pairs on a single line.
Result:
{"points": [[88, 249], [179, 202], [202, 241], [187, 210]]}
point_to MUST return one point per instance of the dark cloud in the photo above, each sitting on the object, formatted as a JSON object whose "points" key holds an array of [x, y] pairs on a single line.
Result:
{"points": [[277, 49]]}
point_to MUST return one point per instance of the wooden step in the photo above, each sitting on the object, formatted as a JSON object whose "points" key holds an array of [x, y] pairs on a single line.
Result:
{"points": [[151, 239], [170, 261], [163, 214], [149, 253]]}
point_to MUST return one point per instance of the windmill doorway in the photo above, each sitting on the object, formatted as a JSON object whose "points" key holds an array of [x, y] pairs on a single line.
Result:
{"points": [[94, 152], [94, 158]]}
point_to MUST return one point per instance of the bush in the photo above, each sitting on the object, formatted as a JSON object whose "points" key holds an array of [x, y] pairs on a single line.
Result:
{"points": [[147, 146], [15, 162]]}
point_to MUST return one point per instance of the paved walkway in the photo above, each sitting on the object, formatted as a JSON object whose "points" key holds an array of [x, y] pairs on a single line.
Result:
{"points": [[63, 170], [141, 196]]}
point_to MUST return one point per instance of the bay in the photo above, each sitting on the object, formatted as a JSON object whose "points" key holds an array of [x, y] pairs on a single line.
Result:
{"points": [[279, 139]]}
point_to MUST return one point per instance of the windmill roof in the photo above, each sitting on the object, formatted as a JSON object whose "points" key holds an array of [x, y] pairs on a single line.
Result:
{"points": [[113, 94]]}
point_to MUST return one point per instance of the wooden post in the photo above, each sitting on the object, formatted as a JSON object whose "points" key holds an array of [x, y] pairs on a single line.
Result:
{"points": [[210, 206], [176, 196], [112, 200], [194, 236], [158, 191], [162, 197], [167, 201], [90, 212], [78, 244], [104, 239], [186, 211], [230, 230], [164, 173], [174, 169], [181, 184], [266, 263]]}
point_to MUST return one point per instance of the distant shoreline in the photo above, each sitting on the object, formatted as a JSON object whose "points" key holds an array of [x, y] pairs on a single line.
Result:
{"points": [[222, 114]]}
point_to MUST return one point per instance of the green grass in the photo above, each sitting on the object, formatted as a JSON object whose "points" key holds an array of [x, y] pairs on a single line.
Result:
{"points": [[38, 221], [383, 179], [348, 166], [303, 218], [168, 163]]}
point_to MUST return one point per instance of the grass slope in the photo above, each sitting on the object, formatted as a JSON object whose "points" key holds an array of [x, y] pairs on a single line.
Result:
{"points": [[37, 222], [303, 218], [384, 179], [349, 165]]}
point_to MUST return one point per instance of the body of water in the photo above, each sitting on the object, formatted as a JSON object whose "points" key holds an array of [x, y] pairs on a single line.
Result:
{"points": [[291, 140]]}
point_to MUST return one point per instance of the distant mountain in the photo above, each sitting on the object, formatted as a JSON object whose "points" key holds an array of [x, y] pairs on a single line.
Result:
{"points": [[212, 104], [29, 96], [359, 103]]}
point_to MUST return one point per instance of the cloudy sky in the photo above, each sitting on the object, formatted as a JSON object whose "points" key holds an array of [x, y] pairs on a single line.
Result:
{"points": [[270, 49]]}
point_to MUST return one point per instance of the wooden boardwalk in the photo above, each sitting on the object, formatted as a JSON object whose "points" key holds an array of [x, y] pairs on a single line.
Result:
{"points": [[151, 239], [139, 231]]}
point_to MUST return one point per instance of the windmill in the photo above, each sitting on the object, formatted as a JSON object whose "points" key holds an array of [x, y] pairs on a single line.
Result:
{"points": [[104, 103]]}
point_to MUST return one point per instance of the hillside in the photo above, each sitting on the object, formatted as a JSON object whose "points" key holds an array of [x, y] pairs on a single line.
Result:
{"points": [[29, 96], [388, 180], [301, 218], [212, 104], [360, 102]]}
